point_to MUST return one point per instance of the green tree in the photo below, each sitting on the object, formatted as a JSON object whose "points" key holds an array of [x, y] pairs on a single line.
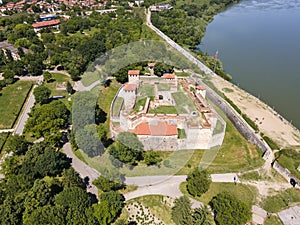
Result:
{"points": [[88, 140], [229, 210], [39, 195], [130, 140], [161, 68], [151, 157], [201, 216], [110, 206], [123, 153], [9, 76], [42, 94], [73, 197], [47, 120], [105, 184], [198, 182], [16, 144], [71, 178], [47, 76], [70, 89], [182, 211]]}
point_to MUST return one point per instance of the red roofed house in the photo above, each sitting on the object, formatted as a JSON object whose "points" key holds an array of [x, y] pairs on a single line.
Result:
{"points": [[160, 128], [170, 76], [201, 89], [44, 24], [151, 65]]}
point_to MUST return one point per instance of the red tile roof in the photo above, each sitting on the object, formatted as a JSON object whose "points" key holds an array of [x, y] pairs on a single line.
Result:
{"points": [[46, 23], [162, 128], [133, 72], [169, 76], [130, 87], [151, 64], [200, 87]]}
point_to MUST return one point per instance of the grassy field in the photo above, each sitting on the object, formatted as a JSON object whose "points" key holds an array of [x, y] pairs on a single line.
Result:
{"points": [[106, 96], [182, 100], [245, 193], [289, 159], [165, 109], [117, 106], [273, 220], [235, 155], [146, 90], [139, 104], [58, 78], [164, 87], [281, 201], [12, 99]]}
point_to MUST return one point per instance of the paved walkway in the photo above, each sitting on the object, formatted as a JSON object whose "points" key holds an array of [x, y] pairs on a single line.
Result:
{"points": [[83, 169], [24, 114], [7, 130]]}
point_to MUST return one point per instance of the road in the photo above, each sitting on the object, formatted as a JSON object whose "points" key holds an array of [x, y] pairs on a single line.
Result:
{"points": [[24, 114], [83, 169]]}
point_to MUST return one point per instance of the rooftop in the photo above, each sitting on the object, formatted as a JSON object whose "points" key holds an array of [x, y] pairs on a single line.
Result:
{"points": [[133, 72], [169, 76], [156, 128], [130, 87], [46, 23], [201, 87]]}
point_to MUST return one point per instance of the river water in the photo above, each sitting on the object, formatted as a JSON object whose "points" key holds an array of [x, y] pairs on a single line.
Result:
{"points": [[259, 45]]}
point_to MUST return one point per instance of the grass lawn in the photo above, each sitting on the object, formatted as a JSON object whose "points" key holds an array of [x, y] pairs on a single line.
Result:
{"points": [[139, 104], [254, 175], [12, 99], [235, 155], [58, 78], [289, 159], [183, 74], [146, 90], [163, 87], [182, 100], [219, 128], [273, 220], [165, 109], [106, 96], [281, 201], [117, 106], [244, 193], [90, 77], [157, 207]]}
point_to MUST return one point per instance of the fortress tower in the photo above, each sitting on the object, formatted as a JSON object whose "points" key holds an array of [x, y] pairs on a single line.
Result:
{"points": [[133, 76]]}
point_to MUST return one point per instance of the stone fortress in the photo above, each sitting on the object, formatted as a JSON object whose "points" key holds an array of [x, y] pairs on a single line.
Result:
{"points": [[166, 113]]}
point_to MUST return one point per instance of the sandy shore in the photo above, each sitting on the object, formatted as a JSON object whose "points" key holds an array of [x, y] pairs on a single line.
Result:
{"points": [[269, 121]]}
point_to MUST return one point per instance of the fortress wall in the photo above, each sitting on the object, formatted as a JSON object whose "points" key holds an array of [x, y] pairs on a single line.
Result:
{"points": [[129, 99], [160, 143], [198, 138], [123, 121], [216, 140]]}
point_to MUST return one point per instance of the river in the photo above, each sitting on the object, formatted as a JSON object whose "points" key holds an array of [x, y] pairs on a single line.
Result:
{"points": [[259, 45]]}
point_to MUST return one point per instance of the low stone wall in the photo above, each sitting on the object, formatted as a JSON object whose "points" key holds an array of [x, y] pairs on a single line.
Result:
{"points": [[286, 173]]}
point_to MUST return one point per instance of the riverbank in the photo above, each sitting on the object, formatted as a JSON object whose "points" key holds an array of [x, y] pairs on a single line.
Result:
{"points": [[269, 121]]}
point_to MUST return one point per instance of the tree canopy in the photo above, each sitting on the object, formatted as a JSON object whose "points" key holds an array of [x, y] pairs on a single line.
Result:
{"points": [[42, 94], [198, 182], [229, 210]]}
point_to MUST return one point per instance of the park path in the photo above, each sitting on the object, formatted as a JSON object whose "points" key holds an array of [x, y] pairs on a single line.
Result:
{"points": [[83, 169], [25, 113]]}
